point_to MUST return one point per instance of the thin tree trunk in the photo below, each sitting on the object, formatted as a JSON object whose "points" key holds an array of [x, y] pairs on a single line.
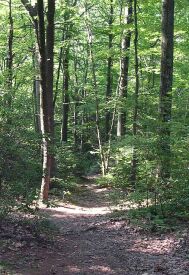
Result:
{"points": [[36, 96], [165, 103], [32, 10], [65, 90], [36, 90], [50, 64], [9, 84], [97, 115], [124, 70], [84, 94], [136, 95], [65, 107], [77, 141], [50, 80], [46, 44], [109, 72], [44, 103], [58, 76]]}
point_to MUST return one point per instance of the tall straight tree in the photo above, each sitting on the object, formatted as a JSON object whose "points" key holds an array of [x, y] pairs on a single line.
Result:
{"points": [[136, 95], [36, 89], [46, 46], [32, 10], [109, 69], [124, 69], [165, 101], [67, 33], [9, 84], [65, 90]]}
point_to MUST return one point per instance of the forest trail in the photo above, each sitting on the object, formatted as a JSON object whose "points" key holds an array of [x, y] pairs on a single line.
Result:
{"points": [[91, 242]]}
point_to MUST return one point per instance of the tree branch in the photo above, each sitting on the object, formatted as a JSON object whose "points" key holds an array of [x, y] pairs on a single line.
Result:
{"points": [[31, 9]]}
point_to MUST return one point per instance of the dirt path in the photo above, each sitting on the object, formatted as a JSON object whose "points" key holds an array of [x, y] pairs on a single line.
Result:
{"points": [[90, 242]]}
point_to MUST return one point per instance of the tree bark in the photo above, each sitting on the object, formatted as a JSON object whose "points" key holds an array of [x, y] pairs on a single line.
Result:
{"points": [[32, 10], [36, 89], [136, 95], [9, 84], [109, 72], [50, 80], [50, 64], [36, 96], [44, 106], [65, 88], [166, 81], [124, 70], [46, 46], [96, 96], [65, 101], [77, 98]]}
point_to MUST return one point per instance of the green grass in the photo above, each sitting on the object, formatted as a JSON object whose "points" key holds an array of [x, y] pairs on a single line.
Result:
{"points": [[5, 267]]}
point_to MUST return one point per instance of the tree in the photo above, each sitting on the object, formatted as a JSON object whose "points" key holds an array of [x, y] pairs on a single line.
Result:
{"points": [[9, 86], [65, 65], [124, 69], [136, 95], [165, 101], [109, 71], [45, 40], [46, 46], [105, 78]]}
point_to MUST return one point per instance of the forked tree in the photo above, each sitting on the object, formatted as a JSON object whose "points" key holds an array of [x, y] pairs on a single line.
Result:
{"points": [[45, 40]]}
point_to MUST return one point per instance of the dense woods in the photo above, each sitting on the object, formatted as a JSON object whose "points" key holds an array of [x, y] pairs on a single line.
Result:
{"points": [[94, 87], [94, 134]]}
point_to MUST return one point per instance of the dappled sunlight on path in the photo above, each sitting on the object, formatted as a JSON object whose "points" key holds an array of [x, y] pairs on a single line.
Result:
{"points": [[91, 200], [76, 210], [89, 241]]}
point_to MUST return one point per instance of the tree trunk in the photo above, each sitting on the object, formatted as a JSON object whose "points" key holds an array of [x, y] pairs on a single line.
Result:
{"points": [[44, 105], [9, 88], [165, 103], [77, 98], [65, 88], [65, 107], [36, 96], [136, 95], [36, 90], [46, 72], [83, 95], [109, 72], [50, 67], [32, 10], [124, 70], [96, 97], [45, 40]]}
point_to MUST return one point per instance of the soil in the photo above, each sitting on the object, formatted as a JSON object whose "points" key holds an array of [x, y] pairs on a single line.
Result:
{"points": [[89, 241]]}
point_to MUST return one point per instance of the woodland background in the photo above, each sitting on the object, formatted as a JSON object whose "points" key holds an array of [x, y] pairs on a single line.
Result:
{"points": [[82, 92]]}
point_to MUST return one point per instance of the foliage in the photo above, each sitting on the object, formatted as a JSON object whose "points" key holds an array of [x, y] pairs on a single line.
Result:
{"points": [[19, 188], [20, 143]]}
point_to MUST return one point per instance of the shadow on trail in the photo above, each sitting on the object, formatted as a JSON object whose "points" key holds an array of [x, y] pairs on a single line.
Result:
{"points": [[90, 242], [91, 195]]}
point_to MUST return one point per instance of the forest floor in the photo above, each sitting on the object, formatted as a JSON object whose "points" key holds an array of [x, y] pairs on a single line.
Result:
{"points": [[86, 239]]}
